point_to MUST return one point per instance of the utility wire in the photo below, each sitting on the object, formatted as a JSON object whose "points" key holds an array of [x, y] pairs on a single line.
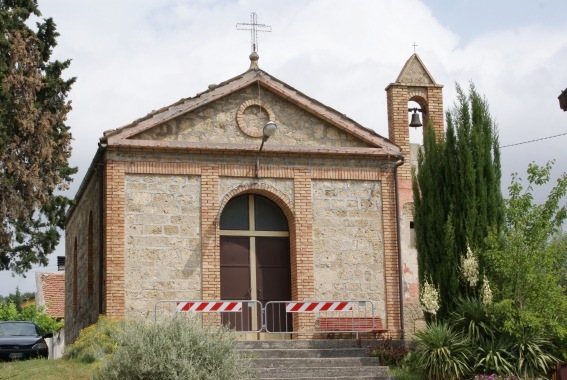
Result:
{"points": [[531, 141]]}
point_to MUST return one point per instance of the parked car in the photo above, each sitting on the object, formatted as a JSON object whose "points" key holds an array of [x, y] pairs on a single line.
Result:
{"points": [[22, 340]]}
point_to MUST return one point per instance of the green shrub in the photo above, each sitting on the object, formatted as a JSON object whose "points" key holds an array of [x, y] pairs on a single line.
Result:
{"points": [[174, 348], [532, 354], [389, 352], [46, 323], [495, 357], [471, 317], [95, 342], [441, 353]]}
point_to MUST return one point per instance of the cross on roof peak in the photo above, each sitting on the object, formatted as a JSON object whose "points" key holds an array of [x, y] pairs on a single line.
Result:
{"points": [[254, 28]]}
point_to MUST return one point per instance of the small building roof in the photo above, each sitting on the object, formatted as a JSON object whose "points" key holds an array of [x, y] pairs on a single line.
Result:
{"points": [[51, 293]]}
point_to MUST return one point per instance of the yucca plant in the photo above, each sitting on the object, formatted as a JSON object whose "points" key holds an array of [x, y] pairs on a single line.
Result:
{"points": [[442, 353], [471, 317], [533, 355], [493, 356]]}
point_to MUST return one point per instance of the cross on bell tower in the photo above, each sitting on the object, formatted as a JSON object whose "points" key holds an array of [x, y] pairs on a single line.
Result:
{"points": [[254, 28]]}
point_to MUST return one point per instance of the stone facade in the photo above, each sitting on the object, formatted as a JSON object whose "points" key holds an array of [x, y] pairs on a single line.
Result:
{"points": [[84, 278], [348, 241], [163, 246]]}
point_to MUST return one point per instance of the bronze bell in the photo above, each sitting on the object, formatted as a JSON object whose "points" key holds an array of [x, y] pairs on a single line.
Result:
{"points": [[415, 122]]}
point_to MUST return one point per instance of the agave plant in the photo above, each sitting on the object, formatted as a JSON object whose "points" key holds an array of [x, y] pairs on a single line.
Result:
{"points": [[441, 353]]}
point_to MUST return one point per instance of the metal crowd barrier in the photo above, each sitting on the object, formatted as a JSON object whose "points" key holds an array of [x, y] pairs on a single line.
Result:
{"points": [[236, 315], [319, 317], [283, 317]]}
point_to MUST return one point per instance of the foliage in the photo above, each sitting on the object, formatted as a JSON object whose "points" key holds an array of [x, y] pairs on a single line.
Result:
{"points": [[176, 348], [45, 322], [524, 267], [558, 247], [476, 330], [532, 353], [18, 297], [457, 195], [95, 342], [494, 356], [471, 318], [389, 352], [442, 353], [35, 143]]}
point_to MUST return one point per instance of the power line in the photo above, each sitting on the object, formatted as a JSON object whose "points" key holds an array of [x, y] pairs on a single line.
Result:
{"points": [[531, 141]]}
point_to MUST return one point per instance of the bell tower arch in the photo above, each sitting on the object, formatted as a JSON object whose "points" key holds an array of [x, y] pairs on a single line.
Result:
{"points": [[414, 83]]}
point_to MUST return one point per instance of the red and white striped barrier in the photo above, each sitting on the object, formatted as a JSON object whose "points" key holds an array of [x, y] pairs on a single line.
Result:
{"points": [[212, 306], [300, 307]]}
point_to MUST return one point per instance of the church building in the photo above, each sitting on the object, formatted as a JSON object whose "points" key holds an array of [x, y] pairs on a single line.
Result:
{"points": [[251, 190]]}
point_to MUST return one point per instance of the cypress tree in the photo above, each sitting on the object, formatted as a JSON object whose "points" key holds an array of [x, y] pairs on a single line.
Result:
{"points": [[457, 194], [35, 142]]}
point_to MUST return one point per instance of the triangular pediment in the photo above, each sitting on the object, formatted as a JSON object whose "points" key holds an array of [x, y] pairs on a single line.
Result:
{"points": [[415, 73], [231, 116]]}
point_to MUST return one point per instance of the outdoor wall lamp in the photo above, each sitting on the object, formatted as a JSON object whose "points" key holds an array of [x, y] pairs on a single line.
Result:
{"points": [[268, 131]]}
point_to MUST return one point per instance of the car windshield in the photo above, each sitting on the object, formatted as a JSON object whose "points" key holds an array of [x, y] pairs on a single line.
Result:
{"points": [[17, 329]]}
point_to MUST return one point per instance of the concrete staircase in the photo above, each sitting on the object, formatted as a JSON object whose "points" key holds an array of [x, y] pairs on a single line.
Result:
{"points": [[312, 359]]}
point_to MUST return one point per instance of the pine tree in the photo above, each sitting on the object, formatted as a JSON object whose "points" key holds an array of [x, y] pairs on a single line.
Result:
{"points": [[35, 143], [457, 194]]}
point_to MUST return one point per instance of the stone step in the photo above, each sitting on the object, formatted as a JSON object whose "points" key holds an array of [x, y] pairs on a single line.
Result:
{"points": [[305, 353], [333, 378], [316, 343], [314, 362], [317, 372]]}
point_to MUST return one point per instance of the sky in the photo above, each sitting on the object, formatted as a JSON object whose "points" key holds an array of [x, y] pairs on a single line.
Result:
{"points": [[131, 57]]}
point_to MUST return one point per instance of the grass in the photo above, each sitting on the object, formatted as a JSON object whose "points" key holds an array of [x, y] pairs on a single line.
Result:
{"points": [[401, 374], [46, 370]]}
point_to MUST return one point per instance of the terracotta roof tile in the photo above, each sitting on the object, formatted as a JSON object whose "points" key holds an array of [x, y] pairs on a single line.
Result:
{"points": [[53, 287]]}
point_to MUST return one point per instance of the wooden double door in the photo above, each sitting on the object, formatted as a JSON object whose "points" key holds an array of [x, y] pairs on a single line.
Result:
{"points": [[255, 262]]}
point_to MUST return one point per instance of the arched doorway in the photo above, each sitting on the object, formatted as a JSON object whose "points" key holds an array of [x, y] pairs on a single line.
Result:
{"points": [[255, 257]]}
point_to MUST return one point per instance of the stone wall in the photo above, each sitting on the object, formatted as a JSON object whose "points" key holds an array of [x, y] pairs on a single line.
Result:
{"points": [[216, 122], [82, 298], [163, 241], [348, 241]]}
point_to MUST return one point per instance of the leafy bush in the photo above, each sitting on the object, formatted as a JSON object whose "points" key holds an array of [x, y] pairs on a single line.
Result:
{"points": [[95, 342], [441, 353], [389, 352], [471, 317], [45, 322], [175, 348], [494, 357], [533, 355]]}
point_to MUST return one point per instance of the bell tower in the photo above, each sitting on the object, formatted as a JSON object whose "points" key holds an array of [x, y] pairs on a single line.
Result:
{"points": [[414, 84]]}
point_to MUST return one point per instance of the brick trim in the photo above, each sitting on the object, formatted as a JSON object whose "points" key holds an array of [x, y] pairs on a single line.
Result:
{"points": [[240, 117], [266, 190], [153, 167], [114, 244]]}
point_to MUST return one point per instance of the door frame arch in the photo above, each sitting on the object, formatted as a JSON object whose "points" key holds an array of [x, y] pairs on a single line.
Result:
{"points": [[283, 202]]}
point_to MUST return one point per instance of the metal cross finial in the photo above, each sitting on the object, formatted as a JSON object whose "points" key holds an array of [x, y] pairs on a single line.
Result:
{"points": [[414, 46], [254, 28]]}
